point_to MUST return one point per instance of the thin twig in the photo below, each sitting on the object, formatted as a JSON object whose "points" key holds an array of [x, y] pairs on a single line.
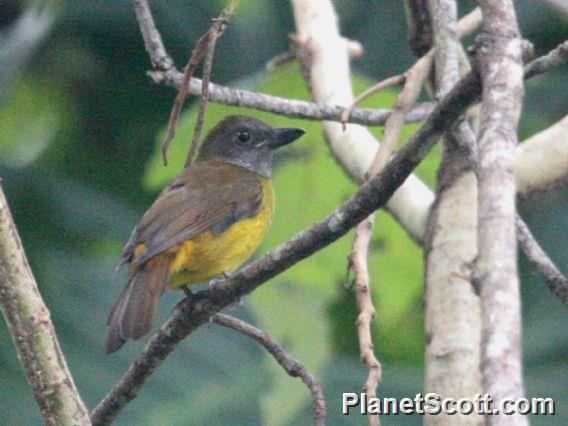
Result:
{"points": [[354, 48], [292, 367], [29, 324], [280, 59], [367, 313], [381, 85], [292, 108], [214, 33], [466, 26], [554, 279], [152, 40], [194, 60]]}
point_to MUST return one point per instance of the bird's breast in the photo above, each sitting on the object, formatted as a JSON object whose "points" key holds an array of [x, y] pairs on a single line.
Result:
{"points": [[209, 255]]}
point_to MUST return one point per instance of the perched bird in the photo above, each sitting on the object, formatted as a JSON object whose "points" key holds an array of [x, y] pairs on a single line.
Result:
{"points": [[206, 222]]}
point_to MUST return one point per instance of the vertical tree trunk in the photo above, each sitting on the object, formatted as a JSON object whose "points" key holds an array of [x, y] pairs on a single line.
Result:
{"points": [[501, 68], [453, 318]]}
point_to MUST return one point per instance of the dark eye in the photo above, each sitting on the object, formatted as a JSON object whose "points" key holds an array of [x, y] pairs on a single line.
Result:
{"points": [[244, 136]]}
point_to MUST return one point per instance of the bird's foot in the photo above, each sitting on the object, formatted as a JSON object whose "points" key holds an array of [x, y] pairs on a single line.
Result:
{"points": [[215, 283]]}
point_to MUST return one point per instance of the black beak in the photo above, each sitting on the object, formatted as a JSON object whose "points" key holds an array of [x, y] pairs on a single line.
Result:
{"points": [[283, 137]]}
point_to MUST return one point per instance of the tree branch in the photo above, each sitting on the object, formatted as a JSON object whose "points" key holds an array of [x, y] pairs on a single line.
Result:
{"points": [[292, 367], [372, 195], [500, 52], [553, 59], [542, 160], [554, 279], [164, 71], [30, 326], [452, 311]]}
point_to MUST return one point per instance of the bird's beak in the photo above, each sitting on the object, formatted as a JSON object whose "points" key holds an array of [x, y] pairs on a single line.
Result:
{"points": [[283, 137]]}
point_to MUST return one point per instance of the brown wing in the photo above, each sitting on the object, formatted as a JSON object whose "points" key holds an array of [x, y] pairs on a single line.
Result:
{"points": [[207, 196]]}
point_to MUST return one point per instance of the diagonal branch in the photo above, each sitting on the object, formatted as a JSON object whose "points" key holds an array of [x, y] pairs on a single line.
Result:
{"points": [[554, 279], [372, 195], [292, 367], [554, 58], [30, 326], [467, 25]]}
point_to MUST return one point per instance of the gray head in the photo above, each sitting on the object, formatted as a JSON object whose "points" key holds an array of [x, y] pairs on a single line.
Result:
{"points": [[246, 142]]}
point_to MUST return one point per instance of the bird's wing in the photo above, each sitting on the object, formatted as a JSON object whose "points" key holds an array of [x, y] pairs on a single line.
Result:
{"points": [[207, 196]]}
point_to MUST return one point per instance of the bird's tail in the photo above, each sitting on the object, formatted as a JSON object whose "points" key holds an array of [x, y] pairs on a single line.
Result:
{"points": [[133, 313]]}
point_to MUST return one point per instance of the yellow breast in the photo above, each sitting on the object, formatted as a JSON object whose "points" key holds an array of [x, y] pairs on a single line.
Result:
{"points": [[209, 255]]}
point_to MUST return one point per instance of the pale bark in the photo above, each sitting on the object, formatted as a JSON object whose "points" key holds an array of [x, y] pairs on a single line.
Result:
{"points": [[452, 309], [542, 160], [29, 323], [317, 29], [501, 68]]}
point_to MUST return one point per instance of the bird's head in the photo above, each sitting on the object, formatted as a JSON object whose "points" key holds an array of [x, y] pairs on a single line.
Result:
{"points": [[246, 142]]}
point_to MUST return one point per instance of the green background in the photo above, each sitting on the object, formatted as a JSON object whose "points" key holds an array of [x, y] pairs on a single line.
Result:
{"points": [[80, 128]]}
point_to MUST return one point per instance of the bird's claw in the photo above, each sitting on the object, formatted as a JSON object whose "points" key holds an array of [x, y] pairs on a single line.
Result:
{"points": [[215, 283]]}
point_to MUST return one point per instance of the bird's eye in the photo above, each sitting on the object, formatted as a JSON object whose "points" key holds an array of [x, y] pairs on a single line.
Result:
{"points": [[244, 136]]}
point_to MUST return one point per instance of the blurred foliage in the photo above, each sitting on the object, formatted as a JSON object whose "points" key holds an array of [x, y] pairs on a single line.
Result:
{"points": [[80, 128]]}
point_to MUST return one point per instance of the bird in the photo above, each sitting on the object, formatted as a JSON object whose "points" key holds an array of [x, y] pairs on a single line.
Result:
{"points": [[205, 223]]}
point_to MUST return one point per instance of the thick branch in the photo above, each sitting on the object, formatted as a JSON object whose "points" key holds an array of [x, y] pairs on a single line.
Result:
{"points": [[554, 279], [500, 60], [371, 196], [292, 367], [29, 323], [317, 31], [542, 160]]}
